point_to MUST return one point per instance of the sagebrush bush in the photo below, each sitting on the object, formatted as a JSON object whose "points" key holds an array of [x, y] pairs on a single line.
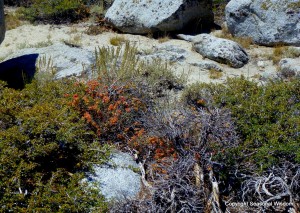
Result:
{"points": [[45, 148]]}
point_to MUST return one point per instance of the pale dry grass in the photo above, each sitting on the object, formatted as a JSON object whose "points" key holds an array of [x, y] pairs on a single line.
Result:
{"points": [[117, 40], [245, 42], [215, 74]]}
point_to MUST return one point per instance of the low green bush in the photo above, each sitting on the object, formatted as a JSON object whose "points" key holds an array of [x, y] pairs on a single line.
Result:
{"points": [[266, 117], [55, 11], [45, 149]]}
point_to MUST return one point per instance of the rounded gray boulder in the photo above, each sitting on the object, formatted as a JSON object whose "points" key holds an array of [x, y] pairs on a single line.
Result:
{"points": [[144, 16], [266, 22], [2, 22], [218, 49]]}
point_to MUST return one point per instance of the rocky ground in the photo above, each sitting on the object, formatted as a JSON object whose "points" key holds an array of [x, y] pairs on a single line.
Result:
{"points": [[71, 49], [183, 59]]}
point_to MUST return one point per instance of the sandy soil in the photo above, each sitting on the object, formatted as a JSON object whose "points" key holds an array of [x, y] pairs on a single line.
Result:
{"points": [[42, 35]]}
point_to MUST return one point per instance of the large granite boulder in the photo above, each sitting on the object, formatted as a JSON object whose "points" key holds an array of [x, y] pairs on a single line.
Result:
{"points": [[218, 49], [144, 16], [2, 22], [267, 22]]}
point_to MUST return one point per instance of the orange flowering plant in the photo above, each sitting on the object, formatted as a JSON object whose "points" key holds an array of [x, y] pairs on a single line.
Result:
{"points": [[109, 110], [114, 113]]}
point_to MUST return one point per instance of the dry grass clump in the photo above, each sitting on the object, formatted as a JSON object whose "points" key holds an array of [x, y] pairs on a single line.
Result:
{"points": [[117, 40], [245, 42], [74, 41], [215, 74], [280, 52], [95, 30], [12, 21], [163, 39], [123, 64]]}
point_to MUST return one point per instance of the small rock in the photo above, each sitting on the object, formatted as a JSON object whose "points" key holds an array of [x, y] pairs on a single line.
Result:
{"points": [[266, 76], [116, 179], [289, 67], [206, 65], [169, 53], [218, 49], [261, 65]]}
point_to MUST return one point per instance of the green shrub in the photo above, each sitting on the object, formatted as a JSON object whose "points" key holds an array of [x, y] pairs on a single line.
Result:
{"points": [[45, 148], [55, 11], [267, 119]]}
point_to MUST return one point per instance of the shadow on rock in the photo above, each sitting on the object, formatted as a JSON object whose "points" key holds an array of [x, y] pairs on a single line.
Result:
{"points": [[18, 71]]}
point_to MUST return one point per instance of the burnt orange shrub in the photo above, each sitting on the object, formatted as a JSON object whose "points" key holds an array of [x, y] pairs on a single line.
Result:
{"points": [[114, 113], [111, 111]]}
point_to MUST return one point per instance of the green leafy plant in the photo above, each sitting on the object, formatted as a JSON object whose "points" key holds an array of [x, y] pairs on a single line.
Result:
{"points": [[267, 118]]}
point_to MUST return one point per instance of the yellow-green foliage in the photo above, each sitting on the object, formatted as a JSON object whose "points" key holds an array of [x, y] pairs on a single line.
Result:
{"points": [[45, 146], [294, 5]]}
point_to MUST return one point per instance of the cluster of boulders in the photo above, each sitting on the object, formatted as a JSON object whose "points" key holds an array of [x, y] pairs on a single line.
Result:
{"points": [[265, 22]]}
